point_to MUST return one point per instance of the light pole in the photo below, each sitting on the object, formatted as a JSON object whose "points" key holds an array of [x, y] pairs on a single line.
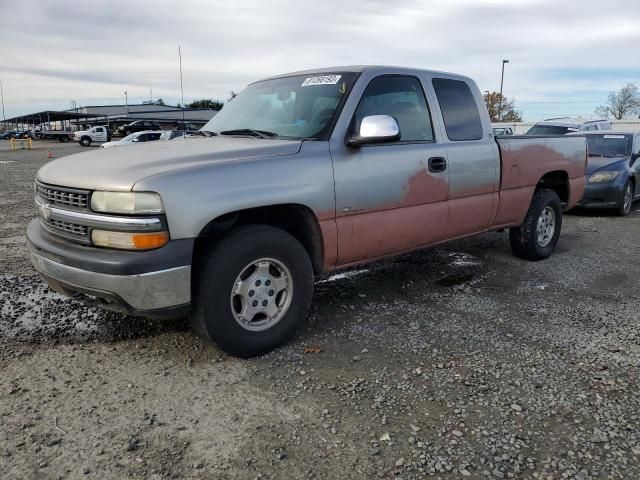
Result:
{"points": [[2, 95], [126, 103], [501, 83]]}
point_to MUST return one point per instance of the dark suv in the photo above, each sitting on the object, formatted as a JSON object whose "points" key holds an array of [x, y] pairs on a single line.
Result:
{"points": [[138, 126]]}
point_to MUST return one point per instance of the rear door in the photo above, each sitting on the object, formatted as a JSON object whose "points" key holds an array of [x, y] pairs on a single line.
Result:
{"points": [[389, 197], [472, 155]]}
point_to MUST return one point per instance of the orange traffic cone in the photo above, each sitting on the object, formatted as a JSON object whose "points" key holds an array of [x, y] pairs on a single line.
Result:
{"points": [[49, 154]]}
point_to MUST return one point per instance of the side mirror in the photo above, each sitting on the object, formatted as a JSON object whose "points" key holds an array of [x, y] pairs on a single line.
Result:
{"points": [[375, 129], [634, 157]]}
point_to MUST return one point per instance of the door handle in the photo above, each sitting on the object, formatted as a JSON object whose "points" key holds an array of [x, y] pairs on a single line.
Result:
{"points": [[437, 164]]}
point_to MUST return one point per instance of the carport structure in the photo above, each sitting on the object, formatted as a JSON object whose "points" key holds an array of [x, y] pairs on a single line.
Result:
{"points": [[53, 120]]}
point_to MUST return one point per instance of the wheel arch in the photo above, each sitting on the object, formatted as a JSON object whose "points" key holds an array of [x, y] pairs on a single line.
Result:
{"points": [[558, 181], [296, 219]]}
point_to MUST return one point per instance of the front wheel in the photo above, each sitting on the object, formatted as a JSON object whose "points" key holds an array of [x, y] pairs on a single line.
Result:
{"points": [[253, 290], [85, 141], [538, 235], [627, 199]]}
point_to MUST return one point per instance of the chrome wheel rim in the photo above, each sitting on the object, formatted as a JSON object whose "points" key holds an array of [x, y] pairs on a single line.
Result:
{"points": [[261, 294], [546, 226], [628, 195]]}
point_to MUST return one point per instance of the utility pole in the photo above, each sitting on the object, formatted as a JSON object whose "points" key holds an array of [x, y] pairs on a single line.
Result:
{"points": [[150, 95], [501, 83], [2, 95], [126, 103], [181, 89]]}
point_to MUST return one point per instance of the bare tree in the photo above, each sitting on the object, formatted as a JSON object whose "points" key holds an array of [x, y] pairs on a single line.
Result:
{"points": [[621, 104], [501, 111]]}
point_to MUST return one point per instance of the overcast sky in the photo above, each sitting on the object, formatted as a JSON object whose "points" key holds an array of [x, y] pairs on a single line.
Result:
{"points": [[565, 56]]}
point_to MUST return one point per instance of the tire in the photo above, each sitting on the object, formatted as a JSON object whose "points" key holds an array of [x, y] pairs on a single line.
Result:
{"points": [[534, 240], [216, 309], [626, 199], [85, 141]]}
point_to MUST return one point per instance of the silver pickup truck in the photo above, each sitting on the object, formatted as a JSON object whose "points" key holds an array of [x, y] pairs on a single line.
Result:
{"points": [[298, 175]]}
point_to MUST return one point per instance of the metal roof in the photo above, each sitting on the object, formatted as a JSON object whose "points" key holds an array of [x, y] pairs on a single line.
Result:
{"points": [[48, 116]]}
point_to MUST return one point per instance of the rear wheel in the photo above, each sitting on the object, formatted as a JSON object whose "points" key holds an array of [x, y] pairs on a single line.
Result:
{"points": [[627, 199], [253, 290], [538, 235]]}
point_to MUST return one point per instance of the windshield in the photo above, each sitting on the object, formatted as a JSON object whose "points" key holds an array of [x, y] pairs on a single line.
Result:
{"points": [[608, 145], [299, 107], [130, 137], [549, 130]]}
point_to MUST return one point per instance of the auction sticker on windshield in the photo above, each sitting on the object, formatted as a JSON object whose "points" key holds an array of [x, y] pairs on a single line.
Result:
{"points": [[614, 136], [321, 80]]}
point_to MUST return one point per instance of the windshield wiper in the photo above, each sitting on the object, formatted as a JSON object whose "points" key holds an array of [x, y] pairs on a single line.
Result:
{"points": [[250, 131], [596, 155]]}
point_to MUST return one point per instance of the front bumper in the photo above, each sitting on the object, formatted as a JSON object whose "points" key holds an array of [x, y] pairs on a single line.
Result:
{"points": [[601, 195], [155, 283]]}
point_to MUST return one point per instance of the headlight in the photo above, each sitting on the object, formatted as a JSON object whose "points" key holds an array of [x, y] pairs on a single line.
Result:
{"points": [[126, 202], [129, 240], [602, 177]]}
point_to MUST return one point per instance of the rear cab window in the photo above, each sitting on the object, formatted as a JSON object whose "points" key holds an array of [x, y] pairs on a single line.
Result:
{"points": [[459, 110]]}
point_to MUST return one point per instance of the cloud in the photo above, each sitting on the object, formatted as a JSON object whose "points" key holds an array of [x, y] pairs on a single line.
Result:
{"points": [[74, 51]]}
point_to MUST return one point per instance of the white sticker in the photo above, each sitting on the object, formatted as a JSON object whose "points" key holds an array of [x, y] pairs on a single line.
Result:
{"points": [[614, 136], [321, 80]]}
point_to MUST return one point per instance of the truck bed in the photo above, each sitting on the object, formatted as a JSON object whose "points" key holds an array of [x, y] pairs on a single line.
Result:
{"points": [[525, 160]]}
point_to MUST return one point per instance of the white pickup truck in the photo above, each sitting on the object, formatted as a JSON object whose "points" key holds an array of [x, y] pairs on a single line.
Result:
{"points": [[97, 134]]}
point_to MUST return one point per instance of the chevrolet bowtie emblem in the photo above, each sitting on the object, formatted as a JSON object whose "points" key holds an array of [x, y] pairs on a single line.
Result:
{"points": [[45, 210]]}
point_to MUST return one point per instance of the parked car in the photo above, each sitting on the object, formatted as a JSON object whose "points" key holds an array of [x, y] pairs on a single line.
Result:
{"points": [[565, 125], [25, 134], [138, 137], [347, 166], [502, 131], [97, 134], [613, 170], [8, 135], [138, 126]]}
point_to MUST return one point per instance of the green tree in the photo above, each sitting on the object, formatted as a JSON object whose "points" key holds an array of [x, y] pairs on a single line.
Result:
{"points": [[621, 104], [500, 108], [206, 104]]}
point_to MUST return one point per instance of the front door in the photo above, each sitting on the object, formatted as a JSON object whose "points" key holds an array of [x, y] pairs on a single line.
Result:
{"points": [[390, 197]]}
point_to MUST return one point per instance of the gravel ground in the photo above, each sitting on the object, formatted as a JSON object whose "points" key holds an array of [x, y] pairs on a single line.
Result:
{"points": [[457, 362]]}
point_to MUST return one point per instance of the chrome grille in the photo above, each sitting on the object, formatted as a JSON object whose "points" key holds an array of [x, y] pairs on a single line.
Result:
{"points": [[64, 197], [67, 227]]}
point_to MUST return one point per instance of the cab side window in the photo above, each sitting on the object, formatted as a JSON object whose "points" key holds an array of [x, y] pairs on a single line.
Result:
{"points": [[400, 97], [459, 109]]}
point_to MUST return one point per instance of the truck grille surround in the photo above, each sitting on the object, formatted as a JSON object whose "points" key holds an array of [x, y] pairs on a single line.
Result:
{"points": [[68, 198]]}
